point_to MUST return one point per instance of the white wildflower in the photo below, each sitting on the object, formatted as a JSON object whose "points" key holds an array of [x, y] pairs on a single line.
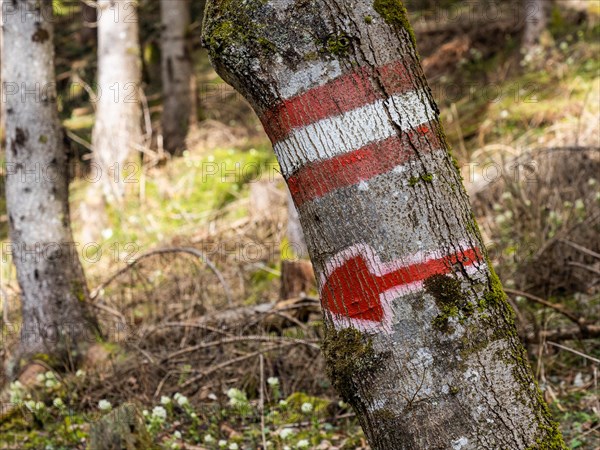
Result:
{"points": [[306, 408], [182, 400], [30, 405], [104, 405], [159, 412], [286, 433]]}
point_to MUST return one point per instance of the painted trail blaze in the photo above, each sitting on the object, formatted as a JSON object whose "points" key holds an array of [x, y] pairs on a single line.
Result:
{"points": [[357, 126], [357, 281]]}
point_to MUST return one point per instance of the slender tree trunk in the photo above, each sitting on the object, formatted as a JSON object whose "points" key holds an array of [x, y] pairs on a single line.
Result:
{"points": [[536, 14], [1, 78], [88, 17], [295, 235], [419, 337], [117, 134], [176, 73], [55, 319], [297, 276]]}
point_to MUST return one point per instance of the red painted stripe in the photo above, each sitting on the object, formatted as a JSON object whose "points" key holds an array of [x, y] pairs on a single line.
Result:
{"points": [[321, 177], [343, 94], [353, 291]]}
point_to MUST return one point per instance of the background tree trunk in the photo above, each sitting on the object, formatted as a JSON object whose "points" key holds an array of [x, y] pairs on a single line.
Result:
{"points": [[55, 320], [297, 275], [88, 18], [419, 337], [117, 134], [537, 13], [1, 78], [294, 230], [176, 74]]}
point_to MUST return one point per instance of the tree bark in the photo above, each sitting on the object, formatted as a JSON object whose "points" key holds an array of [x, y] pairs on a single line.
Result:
{"points": [[55, 320], [117, 134], [536, 13], [88, 17], [295, 235], [176, 74], [419, 337]]}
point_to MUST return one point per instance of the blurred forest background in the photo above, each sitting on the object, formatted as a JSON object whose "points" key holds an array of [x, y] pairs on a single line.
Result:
{"points": [[211, 315]]}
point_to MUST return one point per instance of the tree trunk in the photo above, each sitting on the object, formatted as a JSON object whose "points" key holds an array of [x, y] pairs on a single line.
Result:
{"points": [[117, 134], [419, 337], [295, 235], [1, 78], [88, 17], [176, 74], [55, 320], [297, 276], [536, 13]]}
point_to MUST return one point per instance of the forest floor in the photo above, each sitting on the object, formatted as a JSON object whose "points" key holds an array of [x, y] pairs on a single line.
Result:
{"points": [[202, 342]]}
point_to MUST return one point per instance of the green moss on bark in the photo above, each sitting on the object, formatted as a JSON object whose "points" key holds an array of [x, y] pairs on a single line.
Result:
{"points": [[394, 13], [350, 358], [427, 178], [338, 44], [450, 300], [228, 25]]}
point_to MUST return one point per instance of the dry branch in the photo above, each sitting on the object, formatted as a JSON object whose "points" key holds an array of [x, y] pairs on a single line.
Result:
{"points": [[162, 251]]}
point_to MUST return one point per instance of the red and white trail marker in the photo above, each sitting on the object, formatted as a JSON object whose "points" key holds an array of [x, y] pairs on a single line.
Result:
{"points": [[357, 288], [361, 124]]}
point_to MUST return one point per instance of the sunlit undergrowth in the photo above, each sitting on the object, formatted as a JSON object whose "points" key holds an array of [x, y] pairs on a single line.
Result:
{"points": [[48, 416], [182, 198]]}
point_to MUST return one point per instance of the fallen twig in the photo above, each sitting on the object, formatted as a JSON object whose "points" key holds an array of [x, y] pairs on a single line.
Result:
{"points": [[163, 251], [229, 362], [580, 321], [235, 339], [564, 334], [581, 248], [583, 355]]}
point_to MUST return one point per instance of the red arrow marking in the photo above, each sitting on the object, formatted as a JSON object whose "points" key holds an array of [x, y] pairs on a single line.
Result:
{"points": [[354, 288]]}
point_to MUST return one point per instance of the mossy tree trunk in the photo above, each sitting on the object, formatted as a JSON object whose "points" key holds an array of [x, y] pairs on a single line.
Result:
{"points": [[419, 337], [176, 63], [55, 320]]}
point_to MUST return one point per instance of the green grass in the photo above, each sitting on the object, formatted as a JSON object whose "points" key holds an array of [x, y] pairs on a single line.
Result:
{"points": [[182, 197]]}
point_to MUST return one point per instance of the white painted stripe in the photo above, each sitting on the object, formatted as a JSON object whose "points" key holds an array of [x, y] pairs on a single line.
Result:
{"points": [[355, 129], [292, 82]]}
